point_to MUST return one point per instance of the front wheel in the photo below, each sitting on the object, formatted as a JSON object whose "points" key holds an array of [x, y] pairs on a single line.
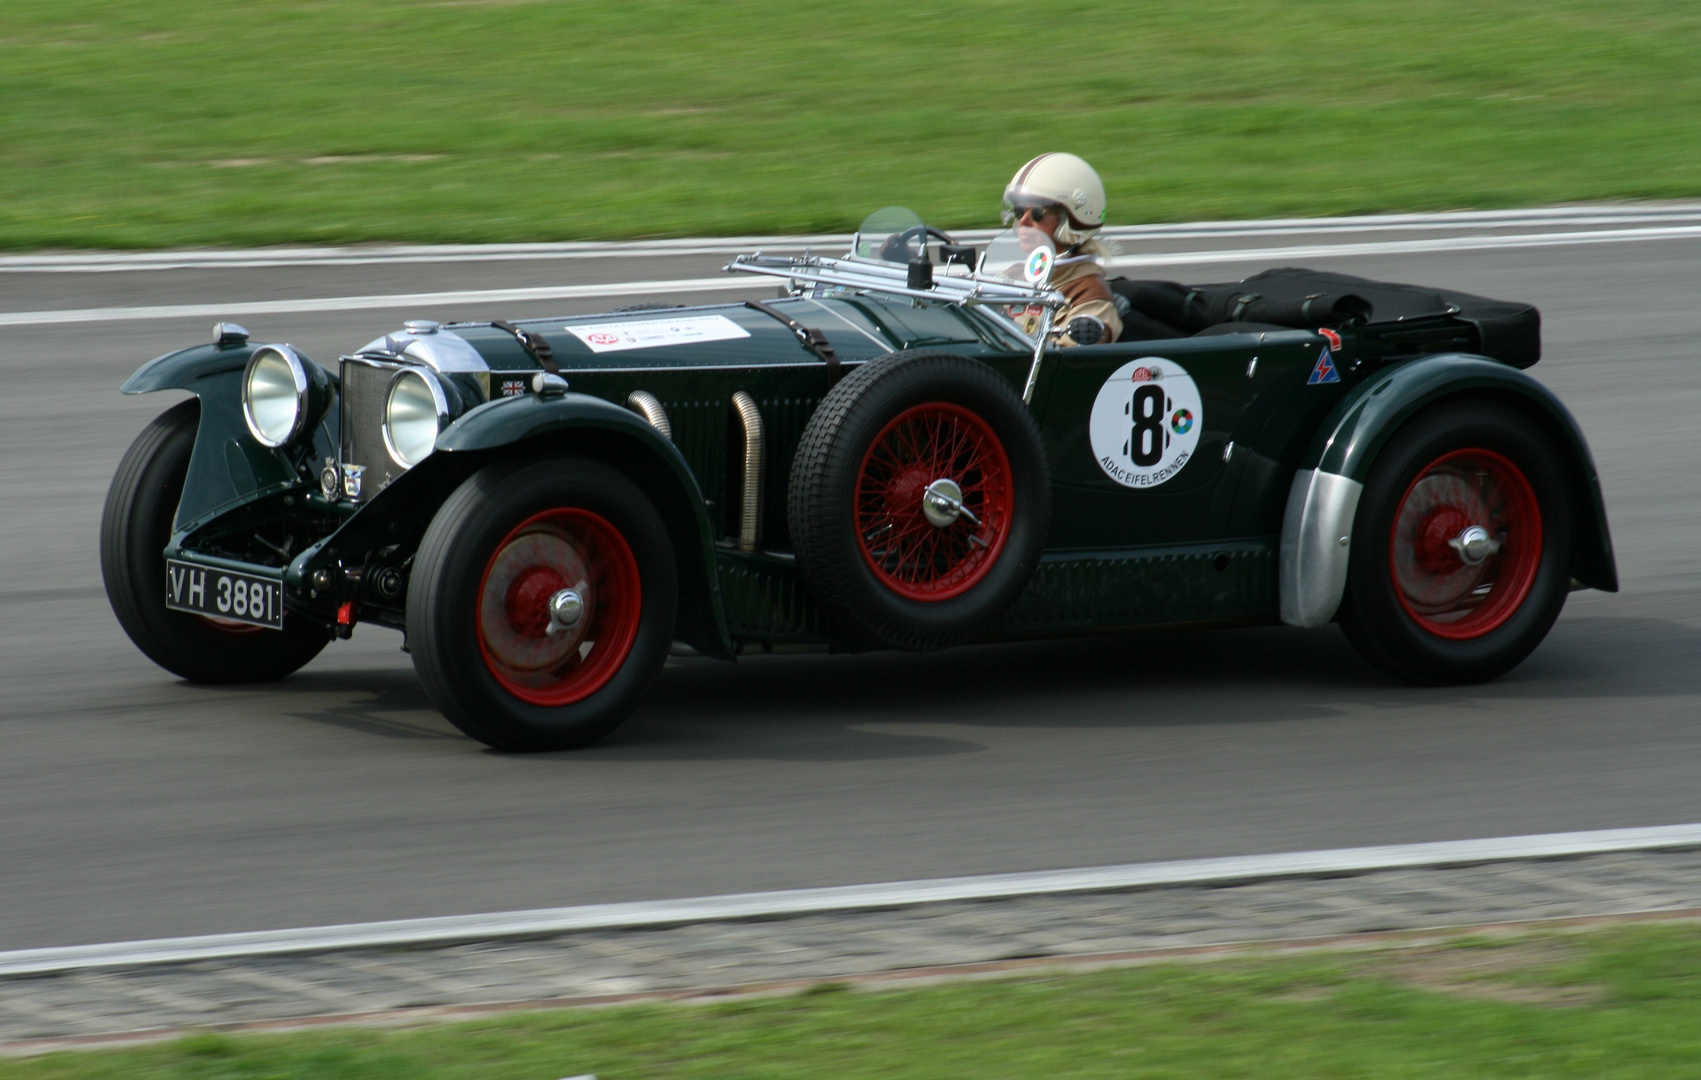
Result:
{"points": [[1461, 547], [542, 604], [134, 529]]}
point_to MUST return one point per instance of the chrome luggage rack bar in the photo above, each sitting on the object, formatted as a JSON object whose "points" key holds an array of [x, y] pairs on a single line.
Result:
{"points": [[892, 279]]}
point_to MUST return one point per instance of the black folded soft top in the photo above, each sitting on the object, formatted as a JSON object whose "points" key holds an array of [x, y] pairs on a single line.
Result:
{"points": [[1295, 297]]}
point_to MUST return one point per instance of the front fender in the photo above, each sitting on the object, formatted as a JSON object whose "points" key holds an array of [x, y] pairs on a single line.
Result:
{"points": [[528, 426], [228, 466], [510, 420], [187, 369], [579, 423], [1317, 526]]}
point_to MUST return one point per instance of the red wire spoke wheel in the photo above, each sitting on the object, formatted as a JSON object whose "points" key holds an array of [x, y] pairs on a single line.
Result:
{"points": [[539, 659], [1466, 544], [919, 500], [914, 556]]}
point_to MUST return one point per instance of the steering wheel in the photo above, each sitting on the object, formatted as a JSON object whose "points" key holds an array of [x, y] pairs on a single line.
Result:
{"points": [[896, 245]]}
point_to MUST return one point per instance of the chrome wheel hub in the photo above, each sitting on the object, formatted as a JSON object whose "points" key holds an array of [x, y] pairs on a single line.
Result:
{"points": [[1474, 545], [566, 608], [942, 504]]}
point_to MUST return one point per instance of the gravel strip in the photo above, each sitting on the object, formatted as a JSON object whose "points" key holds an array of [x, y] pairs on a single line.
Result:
{"points": [[713, 955]]}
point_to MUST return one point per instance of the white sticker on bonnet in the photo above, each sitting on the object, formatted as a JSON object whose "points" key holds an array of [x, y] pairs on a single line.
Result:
{"points": [[651, 333]]}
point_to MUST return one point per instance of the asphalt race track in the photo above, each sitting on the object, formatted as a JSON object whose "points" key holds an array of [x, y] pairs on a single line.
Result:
{"points": [[134, 805]]}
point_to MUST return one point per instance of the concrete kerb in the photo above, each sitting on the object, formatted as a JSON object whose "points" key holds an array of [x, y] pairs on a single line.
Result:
{"points": [[893, 979], [551, 922]]}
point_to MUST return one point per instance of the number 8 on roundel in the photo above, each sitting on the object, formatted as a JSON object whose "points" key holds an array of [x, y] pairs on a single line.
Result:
{"points": [[1145, 446], [1145, 422]]}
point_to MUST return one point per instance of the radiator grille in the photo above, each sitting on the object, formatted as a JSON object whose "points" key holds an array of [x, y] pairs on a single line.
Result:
{"points": [[366, 383]]}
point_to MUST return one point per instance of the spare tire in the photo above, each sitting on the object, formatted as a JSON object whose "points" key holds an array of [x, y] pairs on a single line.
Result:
{"points": [[920, 499]]}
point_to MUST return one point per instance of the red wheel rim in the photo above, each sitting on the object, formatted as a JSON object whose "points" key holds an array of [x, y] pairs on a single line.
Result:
{"points": [[911, 555], [553, 665], [1453, 582], [228, 627]]}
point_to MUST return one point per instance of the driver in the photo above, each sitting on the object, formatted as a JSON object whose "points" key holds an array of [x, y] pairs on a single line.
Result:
{"points": [[1062, 197]]}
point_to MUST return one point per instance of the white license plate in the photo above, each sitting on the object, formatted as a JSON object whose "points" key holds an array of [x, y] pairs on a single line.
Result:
{"points": [[224, 594]]}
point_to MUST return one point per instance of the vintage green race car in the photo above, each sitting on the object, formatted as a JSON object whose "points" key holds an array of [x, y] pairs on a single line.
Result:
{"points": [[881, 458]]}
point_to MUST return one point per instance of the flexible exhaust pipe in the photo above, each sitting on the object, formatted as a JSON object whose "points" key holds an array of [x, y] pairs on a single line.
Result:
{"points": [[750, 520], [650, 408]]}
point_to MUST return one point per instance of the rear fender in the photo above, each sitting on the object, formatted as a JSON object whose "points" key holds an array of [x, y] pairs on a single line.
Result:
{"points": [[1317, 526], [528, 427]]}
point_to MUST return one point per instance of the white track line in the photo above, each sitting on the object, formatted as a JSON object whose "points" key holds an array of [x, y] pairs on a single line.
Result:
{"points": [[843, 898], [107, 262], [398, 300], [1411, 247], [422, 301], [735, 284]]}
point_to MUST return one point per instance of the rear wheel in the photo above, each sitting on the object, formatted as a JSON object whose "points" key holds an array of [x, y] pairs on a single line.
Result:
{"points": [[542, 603], [1461, 547], [134, 529]]}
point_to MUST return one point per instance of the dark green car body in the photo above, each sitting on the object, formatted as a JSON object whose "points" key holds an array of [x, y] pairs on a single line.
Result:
{"points": [[1206, 546]]}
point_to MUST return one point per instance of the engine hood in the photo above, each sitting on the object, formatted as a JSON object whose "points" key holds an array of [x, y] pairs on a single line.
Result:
{"points": [[723, 335]]}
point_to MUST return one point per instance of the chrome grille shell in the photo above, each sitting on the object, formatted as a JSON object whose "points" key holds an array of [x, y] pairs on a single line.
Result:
{"points": [[365, 388]]}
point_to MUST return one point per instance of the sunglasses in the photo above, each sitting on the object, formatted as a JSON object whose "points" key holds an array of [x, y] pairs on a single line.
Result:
{"points": [[1037, 214]]}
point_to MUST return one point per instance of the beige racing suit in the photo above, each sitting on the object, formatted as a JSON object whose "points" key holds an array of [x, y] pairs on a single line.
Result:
{"points": [[1080, 278]]}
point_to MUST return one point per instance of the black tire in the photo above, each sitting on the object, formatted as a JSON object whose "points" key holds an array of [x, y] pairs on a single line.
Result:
{"points": [[565, 702], [1484, 632], [134, 529], [859, 585]]}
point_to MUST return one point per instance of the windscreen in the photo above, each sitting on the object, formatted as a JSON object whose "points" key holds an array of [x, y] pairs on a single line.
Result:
{"points": [[1021, 254], [893, 234]]}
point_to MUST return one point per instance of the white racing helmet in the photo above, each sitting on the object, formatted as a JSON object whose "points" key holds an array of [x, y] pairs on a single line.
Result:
{"points": [[1061, 180]]}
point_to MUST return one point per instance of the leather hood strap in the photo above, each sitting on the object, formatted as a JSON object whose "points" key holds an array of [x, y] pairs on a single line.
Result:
{"points": [[811, 339], [533, 343]]}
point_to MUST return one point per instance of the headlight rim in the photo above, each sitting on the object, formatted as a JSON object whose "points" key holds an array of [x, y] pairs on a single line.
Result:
{"points": [[299, 378], [439, 401]]}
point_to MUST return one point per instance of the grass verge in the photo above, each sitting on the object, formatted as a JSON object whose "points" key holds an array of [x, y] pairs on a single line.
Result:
{"points": [[1622, 1001], [174, 122]]}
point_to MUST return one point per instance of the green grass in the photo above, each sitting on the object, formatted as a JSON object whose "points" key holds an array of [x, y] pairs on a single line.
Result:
{"points": [[166, 122], [1616, 1003]]}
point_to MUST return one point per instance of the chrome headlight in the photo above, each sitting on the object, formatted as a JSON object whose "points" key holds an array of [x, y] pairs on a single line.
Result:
{"points": [[414, 413], [275, 394]]}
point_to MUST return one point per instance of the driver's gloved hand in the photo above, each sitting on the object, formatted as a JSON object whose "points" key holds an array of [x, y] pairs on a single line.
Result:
{"points": [[1085, 330]]}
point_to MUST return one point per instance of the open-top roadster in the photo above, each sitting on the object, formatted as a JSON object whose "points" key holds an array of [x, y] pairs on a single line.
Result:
{"points": [[881, 458]]}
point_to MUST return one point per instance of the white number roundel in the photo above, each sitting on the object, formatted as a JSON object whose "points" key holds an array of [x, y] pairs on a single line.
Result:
{"points": [[1146, 422]]}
